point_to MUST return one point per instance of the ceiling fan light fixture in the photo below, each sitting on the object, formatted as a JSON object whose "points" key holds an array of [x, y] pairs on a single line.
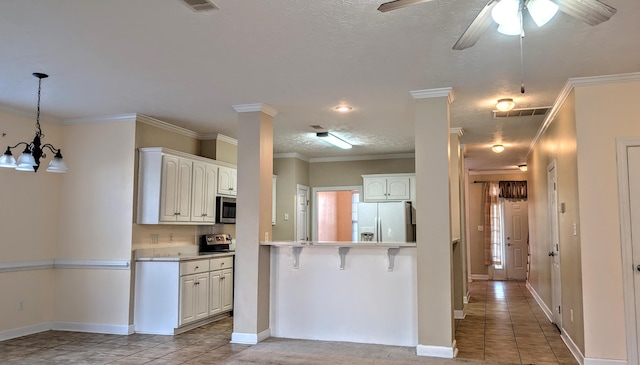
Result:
{"points": [[497, 148], [542, 11], [504, 105], [506, 11], [512, 28]]}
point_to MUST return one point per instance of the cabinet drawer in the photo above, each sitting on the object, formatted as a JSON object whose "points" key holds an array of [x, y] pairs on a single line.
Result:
{"points": [[221, 263], [194, 267]]}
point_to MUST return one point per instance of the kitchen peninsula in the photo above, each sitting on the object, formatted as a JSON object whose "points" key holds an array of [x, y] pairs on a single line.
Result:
{"points": [[344, 291]]}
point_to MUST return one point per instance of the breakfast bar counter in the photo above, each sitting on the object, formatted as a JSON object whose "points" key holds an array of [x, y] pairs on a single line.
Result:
{"points": [[344, 291]]}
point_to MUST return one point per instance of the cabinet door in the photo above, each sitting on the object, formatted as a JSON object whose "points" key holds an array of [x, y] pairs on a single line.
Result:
{"points": [[169, 188], [227, 290], [201, 299], [187, 295], [227, 181], [203, 192], [184, 190], [215, 292], [375, 189], [398, 188]]}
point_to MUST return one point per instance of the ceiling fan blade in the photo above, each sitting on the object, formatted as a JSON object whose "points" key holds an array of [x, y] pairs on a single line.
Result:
{"points": [[397, 4], [480, 24], [592, 12]]}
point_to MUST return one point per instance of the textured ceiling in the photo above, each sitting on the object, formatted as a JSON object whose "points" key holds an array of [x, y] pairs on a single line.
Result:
{"points": [[159, 58]]}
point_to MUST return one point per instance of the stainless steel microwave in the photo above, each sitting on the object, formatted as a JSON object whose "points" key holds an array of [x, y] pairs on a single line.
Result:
{"points": [[225, 210]]}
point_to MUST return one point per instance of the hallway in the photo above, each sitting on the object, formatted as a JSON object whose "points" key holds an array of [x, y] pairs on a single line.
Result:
{"points": [[505, 324]]}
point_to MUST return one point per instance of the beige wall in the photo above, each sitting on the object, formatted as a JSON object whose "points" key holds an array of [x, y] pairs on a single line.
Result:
{"points": [[291, 172], [96, 213], [558, 144], [349, 173], [30, 224], [148, 135], [603, 113], [476, 217]]}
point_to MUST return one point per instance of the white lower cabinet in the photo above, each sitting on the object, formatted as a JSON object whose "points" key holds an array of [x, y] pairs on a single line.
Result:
{"points": [[172, 296]]}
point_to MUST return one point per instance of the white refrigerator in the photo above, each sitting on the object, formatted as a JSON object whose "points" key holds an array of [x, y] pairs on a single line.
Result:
{"points": [[385, 222]]}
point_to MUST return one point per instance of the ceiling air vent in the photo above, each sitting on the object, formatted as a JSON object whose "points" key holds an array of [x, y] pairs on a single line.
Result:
{"points": [[315, 126], [201, 5], [524, 112]]}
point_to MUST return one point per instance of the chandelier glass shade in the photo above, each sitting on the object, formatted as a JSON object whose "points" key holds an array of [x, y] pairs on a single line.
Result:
{"points": [[33, 151], [508, 14]]}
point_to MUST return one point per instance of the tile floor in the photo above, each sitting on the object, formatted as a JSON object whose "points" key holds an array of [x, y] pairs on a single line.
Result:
{"points": [[505, 324], [204, 345]]}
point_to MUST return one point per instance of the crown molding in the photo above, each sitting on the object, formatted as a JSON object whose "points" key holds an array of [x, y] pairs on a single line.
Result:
{"points": [[571, 84], [297, 155], [166, 126], [361, 158], [258, 107], [219, 137], [102, 119], [457, 130], [30, 114], [433, 93]]}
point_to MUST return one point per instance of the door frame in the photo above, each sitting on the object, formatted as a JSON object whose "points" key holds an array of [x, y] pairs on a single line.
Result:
{"points": [[506, 257], [622, 145], [553, 239], [314, 204], [296, 215]]}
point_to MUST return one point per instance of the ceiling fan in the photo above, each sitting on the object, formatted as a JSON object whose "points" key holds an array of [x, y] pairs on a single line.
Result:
{"points": [[592, 12]]}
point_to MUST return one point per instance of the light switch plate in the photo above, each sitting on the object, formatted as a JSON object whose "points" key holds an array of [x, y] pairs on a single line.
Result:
{"points": [[480, 228]]}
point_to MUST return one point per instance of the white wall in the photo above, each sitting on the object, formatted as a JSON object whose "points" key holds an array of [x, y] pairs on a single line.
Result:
{"points": [[362, 303]]}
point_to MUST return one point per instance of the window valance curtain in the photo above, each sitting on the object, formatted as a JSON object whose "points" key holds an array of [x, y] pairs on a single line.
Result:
{"points": [[513, 189]]}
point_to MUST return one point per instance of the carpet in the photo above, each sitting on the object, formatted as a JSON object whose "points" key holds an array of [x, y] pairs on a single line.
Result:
{"points": [[278, 351]]}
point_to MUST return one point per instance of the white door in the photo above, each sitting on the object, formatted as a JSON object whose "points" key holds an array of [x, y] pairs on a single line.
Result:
{"points": [[227, 290], [202, 296], [302, 213], [516, 231], [633, 163], [554, 250], [187, 297], [215, 292]]}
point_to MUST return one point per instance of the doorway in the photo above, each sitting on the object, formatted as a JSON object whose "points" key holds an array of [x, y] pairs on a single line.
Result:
{"points": [[628, 156], [516, 233], [335, 213], [302, 213], [554, 250]]}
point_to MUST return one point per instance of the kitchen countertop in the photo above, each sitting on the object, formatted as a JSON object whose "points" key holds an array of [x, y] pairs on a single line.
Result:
{"points": [[338, 244], [185, 257]]}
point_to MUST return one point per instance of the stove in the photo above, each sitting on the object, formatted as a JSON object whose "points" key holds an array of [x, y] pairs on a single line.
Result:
{"points": [[217, 242]]}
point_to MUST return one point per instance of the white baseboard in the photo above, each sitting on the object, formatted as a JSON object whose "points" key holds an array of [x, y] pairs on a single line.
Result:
{"points": [[437, 351], [250, 338], [594, 361], [459, 314], [112, 329], [479, 277], [575, 351], [24, 331], [540, 302]]}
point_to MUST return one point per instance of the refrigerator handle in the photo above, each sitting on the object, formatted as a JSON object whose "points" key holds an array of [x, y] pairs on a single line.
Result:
{"points": [[379, 229]]}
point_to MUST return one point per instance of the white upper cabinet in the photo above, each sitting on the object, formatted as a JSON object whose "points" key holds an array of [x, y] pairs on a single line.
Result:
{"points": [[203, 192], [227, 181], [178, 188], [392, 187]]}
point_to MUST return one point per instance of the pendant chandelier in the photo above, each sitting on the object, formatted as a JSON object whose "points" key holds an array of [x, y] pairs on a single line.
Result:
{"points": [[29, 160]]}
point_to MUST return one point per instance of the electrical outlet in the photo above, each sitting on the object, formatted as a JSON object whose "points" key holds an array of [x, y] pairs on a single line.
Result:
{"points": [[286, 216], [571, 311], [21, 305], [170, 237], [575, 229]]}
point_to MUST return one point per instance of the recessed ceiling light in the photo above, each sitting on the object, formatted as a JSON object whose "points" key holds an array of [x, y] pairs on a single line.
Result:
{"points": [[504, 105], [497, 148], [343, 108]]}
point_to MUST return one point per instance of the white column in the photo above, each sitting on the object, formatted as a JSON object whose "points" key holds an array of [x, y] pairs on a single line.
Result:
{"points": [[433, 222], [253, 223]]}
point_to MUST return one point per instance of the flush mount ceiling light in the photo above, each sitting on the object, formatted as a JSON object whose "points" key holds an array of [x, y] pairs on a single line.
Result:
{"points": [[504, 105], [343, 108], [522, 167], [497, 148], [330, 138], [29, 160]]}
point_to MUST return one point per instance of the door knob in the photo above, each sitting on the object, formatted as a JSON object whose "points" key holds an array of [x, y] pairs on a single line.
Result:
{"points": [[509, 244], [638, 267], [551, 253]]}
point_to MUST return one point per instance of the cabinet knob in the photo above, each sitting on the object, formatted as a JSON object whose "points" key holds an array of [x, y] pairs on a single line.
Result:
{"points": [[197, 267], [176, 213], [222, 264]]}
